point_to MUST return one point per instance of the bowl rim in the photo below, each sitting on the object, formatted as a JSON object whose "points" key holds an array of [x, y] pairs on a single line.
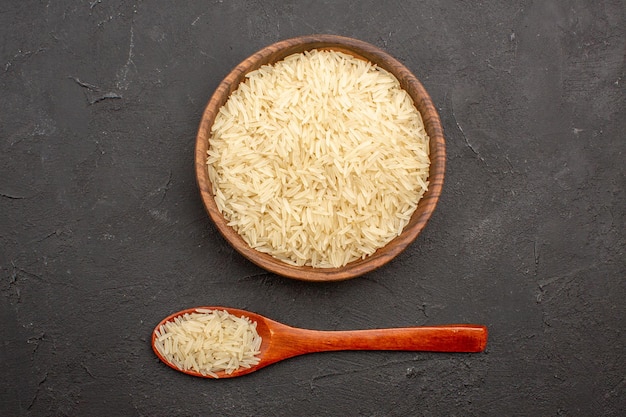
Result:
{"points": [[409, 82]]}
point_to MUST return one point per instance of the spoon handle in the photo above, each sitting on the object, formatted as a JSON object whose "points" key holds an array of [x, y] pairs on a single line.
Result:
{"points": [[447, 338]]}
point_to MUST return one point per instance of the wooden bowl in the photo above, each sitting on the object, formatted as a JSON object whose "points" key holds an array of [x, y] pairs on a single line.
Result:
{"points": [[423, 103]]}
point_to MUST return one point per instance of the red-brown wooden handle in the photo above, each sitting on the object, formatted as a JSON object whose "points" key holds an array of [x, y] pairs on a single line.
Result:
{"points": [[447, 338]]}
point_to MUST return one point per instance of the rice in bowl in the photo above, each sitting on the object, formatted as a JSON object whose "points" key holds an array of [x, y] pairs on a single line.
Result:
{"points": [[319, 159]]}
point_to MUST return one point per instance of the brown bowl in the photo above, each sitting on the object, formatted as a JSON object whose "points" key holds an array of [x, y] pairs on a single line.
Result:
{"points": [[423, 103]]}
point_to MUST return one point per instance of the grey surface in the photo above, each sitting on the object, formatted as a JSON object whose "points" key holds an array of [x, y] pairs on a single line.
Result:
{"points": [[102, 232]]}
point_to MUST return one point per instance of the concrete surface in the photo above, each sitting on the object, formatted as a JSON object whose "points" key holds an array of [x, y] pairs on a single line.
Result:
{"points": [[102, 232]]}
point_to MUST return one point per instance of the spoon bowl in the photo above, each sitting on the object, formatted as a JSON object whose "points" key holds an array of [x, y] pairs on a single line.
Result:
{"points": [[280, 341]]}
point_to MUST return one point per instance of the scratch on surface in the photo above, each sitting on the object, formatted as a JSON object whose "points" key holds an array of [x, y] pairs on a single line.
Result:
{"points": [[508, 161], [94, 96], [19, 273], [22, 54], [123, 82], [384, 40], [513, 38], [120, 287], [43, 380], [196, 19], [165, 188], [570, 274], [105, 96], [12, 197], [36, 340], [561, 281], [94, 3], [162, 189], [423, 310], [469, 145], [87, 370], [49, 235], [208, 56], [83, 84], [16, 270], [458, 125], [13, 276], [358, 370], [549, 281]]}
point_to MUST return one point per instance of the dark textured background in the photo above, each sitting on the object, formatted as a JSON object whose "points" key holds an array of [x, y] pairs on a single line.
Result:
{"points": [[102, 232]]}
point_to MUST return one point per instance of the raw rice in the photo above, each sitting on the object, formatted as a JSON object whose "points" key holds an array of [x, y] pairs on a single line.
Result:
{"points": [[319, 159], [209, 341]]}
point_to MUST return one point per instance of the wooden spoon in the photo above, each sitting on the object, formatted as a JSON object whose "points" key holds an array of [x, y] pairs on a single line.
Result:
{"points": [[282, 342]]}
